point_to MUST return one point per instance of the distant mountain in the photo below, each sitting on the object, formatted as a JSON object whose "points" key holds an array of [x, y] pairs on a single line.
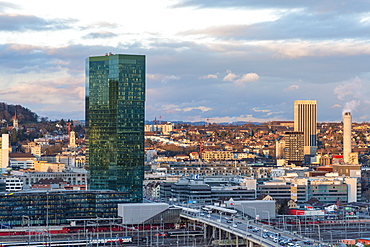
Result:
{"points": [[239, 123], [24, 115]]}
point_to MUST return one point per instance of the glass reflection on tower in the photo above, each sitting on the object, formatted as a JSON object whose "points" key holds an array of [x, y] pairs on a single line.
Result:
{"points": [[115, 101]]}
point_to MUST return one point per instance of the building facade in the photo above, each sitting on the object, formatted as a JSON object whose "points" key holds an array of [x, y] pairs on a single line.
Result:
{"points": [[305, 120], [293, 150], [347, 128], [4, 142], [115, 104], [56, 207]]}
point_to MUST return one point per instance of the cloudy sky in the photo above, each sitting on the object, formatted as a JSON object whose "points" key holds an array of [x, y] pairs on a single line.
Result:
{"points": [[225, 61]]}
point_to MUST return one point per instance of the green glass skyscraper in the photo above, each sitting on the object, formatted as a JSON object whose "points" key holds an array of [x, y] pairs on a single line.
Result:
{"points": [[115, 108]]}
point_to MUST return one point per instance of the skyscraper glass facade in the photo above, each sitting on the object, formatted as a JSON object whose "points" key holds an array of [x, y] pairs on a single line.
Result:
{"points": [[115, 101]]}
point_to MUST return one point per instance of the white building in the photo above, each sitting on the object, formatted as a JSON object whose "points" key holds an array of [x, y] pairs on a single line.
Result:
{"points": [[21, 161], [13, 184]]}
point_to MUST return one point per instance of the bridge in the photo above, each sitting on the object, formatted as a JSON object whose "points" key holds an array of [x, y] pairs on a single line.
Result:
{"points": [[240, 232]]}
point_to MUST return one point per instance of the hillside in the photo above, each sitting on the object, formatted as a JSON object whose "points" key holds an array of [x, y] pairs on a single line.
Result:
{"points": [[24, 115]]}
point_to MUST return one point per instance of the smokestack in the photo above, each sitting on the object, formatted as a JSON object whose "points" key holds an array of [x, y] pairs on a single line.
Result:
{"points": [[347, 136]]}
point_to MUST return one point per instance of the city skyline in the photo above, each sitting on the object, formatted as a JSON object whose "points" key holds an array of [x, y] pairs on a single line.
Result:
{"points": [[206, 61]]}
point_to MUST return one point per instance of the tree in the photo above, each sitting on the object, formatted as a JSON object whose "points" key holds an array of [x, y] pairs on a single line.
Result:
{"points": [[283, 207]]}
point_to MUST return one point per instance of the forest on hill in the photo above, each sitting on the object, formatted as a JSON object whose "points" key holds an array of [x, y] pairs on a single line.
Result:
{"points": [[24, 115]]}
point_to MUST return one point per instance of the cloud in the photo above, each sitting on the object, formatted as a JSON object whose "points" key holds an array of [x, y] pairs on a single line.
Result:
{"points": [[240, 118], [258, 110], [162, 78], [100, 35], [6, 5], [47, 95], [20, 23], [102, 24], [172, 108], [209, 76], [354, 94], [336, 106], [230, 76], [166, 79], [351, 106], [249, 77], [291, 88], [317, 6], [202, 108], [353, 88]]}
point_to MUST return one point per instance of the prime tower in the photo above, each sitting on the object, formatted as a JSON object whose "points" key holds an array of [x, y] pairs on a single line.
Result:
{"points": [[115, 108]]}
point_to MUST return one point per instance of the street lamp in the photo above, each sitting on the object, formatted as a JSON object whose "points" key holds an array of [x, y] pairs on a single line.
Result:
{"points": [[268, 215], [318, 230], [255, 211], [28, 223], [331, 238]]}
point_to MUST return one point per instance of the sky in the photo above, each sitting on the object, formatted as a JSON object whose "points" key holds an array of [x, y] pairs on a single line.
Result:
{"points": [[206, 60]]}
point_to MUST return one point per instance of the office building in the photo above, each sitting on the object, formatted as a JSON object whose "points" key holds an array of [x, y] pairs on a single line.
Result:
{"points": [[62, 205], [293, 150], [115, 101], [305, 119]]}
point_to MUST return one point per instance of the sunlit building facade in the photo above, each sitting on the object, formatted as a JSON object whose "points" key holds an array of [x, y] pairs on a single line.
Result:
{"points": [[305, 120], [115, 101]]}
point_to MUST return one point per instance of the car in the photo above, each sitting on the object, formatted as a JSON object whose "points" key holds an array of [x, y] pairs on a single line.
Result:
{"points": [[201, 214], [238, 222], [226, 218], [228, 221], [275, 239], [283, 242], [297, 245], [307, 242], [250, 227], [255, 229], [235, 225], [290, 244], [264, 235]]}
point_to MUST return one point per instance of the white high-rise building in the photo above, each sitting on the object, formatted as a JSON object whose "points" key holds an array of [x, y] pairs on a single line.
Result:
{"points": [[305, 120], [347, 136]]}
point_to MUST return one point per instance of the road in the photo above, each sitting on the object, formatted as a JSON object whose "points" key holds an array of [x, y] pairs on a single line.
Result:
{"points": [[269, 236]]}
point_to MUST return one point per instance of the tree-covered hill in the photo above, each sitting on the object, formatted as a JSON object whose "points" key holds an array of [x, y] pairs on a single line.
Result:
{"points": [[24, 115]]}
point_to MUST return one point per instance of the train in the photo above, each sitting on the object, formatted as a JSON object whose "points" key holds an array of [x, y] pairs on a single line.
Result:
{"points": [[80, 242], [81, 228]]}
